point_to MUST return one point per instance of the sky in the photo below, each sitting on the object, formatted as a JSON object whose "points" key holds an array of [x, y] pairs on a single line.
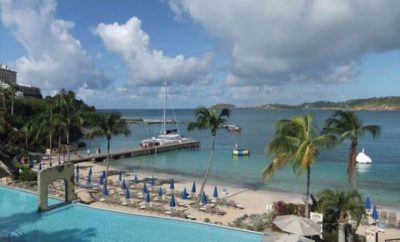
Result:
{"points": [[117, 54]]}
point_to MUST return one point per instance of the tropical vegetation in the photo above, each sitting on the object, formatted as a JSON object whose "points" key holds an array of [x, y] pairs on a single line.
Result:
{"points": [[296, 142], [343, 205], [107, 125], [348, 126], [210, 119], [35, 125]]}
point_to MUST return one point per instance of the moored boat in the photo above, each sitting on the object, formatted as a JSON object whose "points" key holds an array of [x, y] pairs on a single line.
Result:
{"points": [[233, 128], [171, 136], [363, 158]]}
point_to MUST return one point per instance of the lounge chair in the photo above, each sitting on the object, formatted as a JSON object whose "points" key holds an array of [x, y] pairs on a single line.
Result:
{"points": [[392, 220], [383, 216], [381, 227]]}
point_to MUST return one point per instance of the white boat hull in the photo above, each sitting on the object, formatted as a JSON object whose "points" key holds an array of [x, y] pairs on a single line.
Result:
{"points": [[362, 158]]}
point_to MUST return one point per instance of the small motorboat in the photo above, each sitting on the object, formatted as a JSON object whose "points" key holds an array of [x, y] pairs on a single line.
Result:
{"points": [[362, 158], [233, 128]]}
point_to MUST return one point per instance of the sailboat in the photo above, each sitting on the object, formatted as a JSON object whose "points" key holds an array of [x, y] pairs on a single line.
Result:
{"points": [[166, 136]]}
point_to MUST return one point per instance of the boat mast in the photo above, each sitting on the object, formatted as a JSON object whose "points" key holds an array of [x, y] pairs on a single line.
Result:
{"points": [[164, 131]]}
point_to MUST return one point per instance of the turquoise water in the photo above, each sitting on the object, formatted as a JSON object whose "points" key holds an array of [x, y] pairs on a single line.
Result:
{"points": [[379, 180], [80, 223]]}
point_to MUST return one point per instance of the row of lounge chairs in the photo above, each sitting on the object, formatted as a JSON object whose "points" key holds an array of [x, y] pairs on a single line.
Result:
{"points": [[389, 219]]}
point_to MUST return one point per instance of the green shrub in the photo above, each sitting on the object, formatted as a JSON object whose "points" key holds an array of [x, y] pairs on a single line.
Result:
{"points": [[207, 220], [25, 173]]}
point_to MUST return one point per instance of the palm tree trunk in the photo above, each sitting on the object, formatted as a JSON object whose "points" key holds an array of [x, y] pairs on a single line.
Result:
{"points": [[4, 102], [108, 157], [307, 212], [59, 149], [352, 165], [341, 233], [51, 147], [12, 101], [68, 153], [209, 167]]}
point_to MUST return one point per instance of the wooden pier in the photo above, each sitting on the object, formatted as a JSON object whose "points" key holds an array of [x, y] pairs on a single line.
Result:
{"points": [[138, 151]]}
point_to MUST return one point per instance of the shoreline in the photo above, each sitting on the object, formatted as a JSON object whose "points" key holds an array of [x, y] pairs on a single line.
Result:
{"points": [[253, 201], [222, 182]]}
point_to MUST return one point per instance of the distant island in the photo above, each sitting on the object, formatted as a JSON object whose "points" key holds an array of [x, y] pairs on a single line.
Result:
{"points": [[371, 104], [223, 105]]}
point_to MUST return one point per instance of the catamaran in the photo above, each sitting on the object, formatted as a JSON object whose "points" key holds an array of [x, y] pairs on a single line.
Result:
{"points": [[166, 136]]}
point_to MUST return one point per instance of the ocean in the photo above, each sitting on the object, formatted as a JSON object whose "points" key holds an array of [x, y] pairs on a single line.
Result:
{"points": [[379, 180]]}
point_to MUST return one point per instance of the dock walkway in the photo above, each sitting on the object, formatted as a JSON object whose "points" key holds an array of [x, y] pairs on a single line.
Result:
{"points": [[138, 151]]}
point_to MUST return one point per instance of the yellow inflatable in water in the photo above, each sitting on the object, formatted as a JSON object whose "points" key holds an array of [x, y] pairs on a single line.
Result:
{"points": [[240, 152]]}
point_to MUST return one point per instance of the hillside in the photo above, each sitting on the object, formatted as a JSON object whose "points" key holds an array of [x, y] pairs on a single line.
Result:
{"points": [[378, 103]]}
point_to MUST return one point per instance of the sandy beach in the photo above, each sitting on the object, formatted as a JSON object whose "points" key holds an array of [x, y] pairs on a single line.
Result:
{"points": [[252, 201]]}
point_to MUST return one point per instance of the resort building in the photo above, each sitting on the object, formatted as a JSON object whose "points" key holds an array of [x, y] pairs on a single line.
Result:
{"points": [[7, 75], [9, 78], [29, 91]]}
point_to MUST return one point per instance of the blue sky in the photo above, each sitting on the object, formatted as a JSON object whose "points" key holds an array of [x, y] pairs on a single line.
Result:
{"points": [[117, 54]]}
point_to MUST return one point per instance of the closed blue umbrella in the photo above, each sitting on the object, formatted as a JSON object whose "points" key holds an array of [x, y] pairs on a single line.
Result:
{"points": [[148, 197], [77, 176], [40, 166], [183, 195], [105, 190], [101, 180], [375, 214], [194, 187], [89, 177], [144, 187], [203, 198], [152, 181], [127, 193], [367, 204], [120, 176], [123, 185], [215, 194], [90, 171], [184, 190], [171, 185], [77, 168], [172, 202], [159, 193], [136, 179]]}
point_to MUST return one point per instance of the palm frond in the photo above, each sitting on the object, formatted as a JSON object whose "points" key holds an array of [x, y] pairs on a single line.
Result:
{"points": [[374, 130]]}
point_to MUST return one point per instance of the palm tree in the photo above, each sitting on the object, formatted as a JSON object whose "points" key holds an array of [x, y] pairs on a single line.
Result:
{"points": [[296, 142], [344, 203], [50, 123], [12, 93], [212, 120], [71, 115], [348, 126], [9, 92], [109, 124]]}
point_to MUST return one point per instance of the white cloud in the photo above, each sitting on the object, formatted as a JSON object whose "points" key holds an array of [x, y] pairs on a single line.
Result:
{"points": [[55, 59], [273, 42], [149, 66]]}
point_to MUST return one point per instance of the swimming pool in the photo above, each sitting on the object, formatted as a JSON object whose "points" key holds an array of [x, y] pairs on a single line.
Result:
{"points": [[81, 223]]}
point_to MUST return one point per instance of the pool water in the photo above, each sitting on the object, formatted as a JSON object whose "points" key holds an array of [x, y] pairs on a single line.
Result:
{"points": [[79, 223]]}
